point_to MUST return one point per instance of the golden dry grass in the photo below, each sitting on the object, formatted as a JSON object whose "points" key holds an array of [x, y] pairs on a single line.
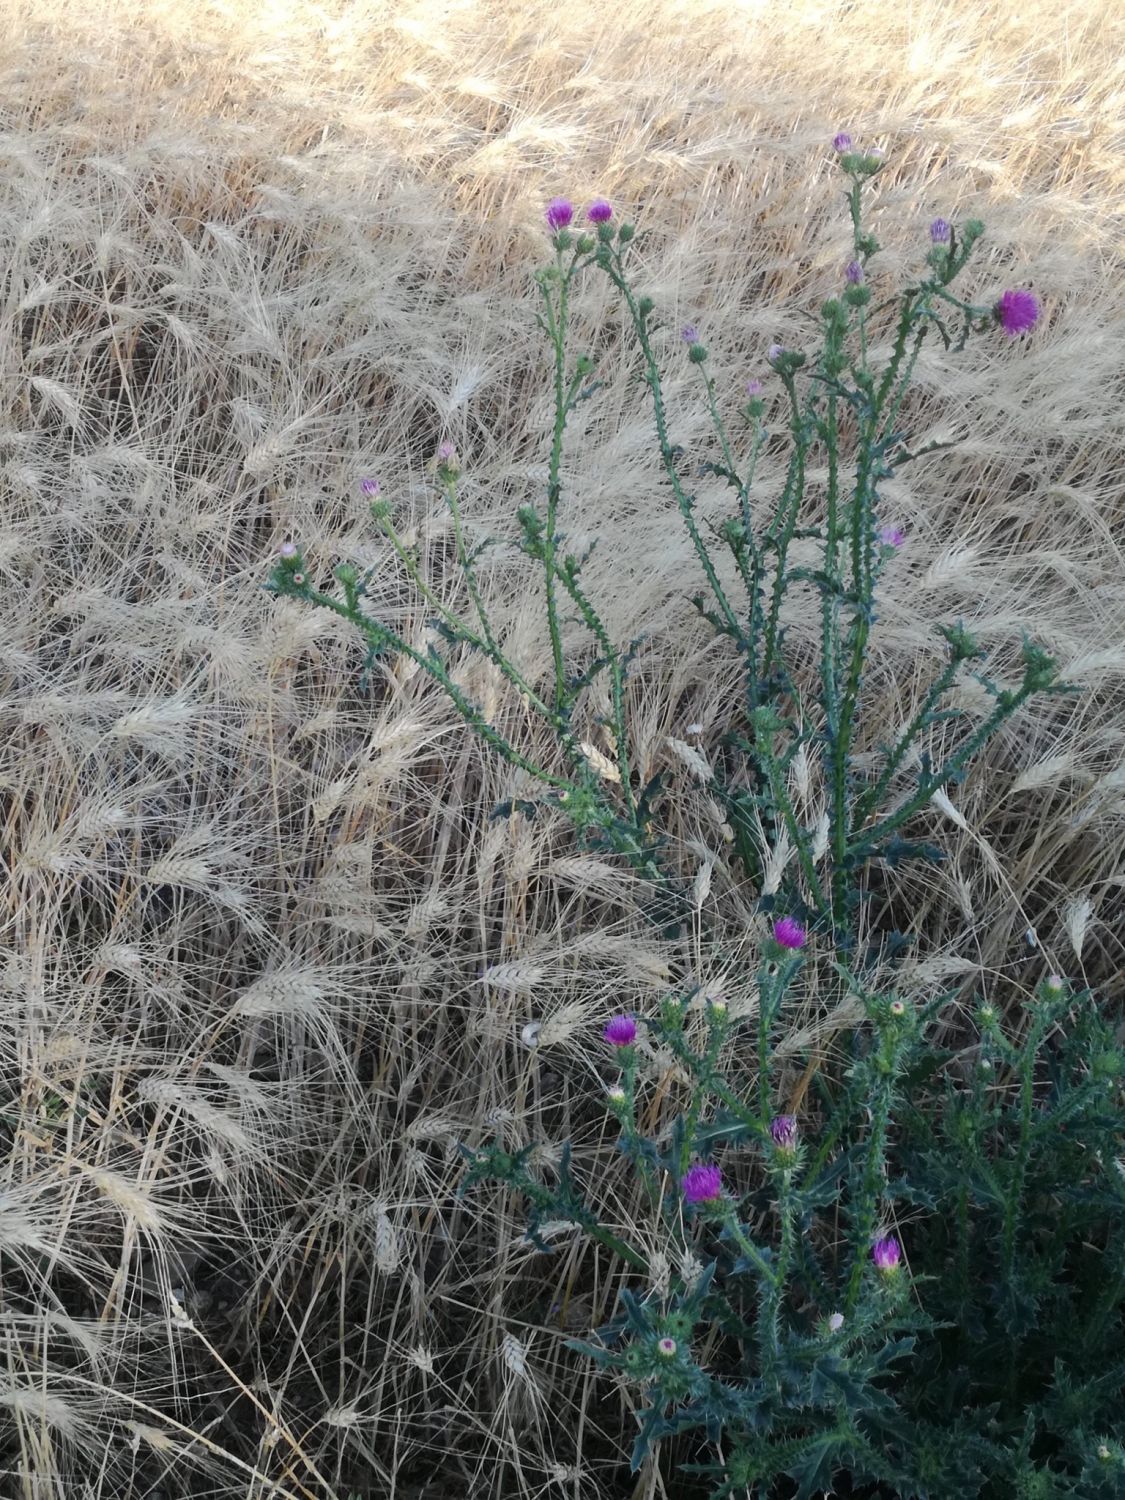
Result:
{"points": [[264, 958]]}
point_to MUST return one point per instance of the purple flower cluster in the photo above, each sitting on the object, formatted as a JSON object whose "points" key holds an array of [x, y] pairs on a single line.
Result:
{"points": [[560, 213]]}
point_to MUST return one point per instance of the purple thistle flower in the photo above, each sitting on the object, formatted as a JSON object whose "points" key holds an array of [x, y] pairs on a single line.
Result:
{"points": [[446, 451], [853, 272], [892, 536], [783, 1129], [701, 1183], [666, 1348], [287, 550], [774, 353], [599, 211], [886, 1253], [690, 334], [1017, 311], [621, 1031], [789, 933], [842, 141], [940, 231], [560, 211], [370, 487], [753, 387]]}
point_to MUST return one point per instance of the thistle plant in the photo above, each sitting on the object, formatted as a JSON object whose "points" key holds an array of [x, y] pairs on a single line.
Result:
{"points": [[913, 1272], [839, 400]]}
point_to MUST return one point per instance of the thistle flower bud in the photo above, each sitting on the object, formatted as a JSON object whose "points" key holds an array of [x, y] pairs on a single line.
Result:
{"points": [[620, 1031], [1016, 312], [886, 1253], [785, 1135], [626, 233], [645, 306], [702, 1183], [560, 211], [666, 1348], [789, 933]]}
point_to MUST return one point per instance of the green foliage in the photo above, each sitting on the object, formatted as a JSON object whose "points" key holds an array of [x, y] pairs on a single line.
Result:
{"points": [[992, 1367]]}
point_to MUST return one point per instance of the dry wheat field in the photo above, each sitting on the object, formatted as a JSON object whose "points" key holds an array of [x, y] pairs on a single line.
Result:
{"points": [[264, 958]]}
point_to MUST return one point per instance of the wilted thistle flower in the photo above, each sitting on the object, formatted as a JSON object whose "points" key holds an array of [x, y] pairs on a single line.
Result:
{"points": [[666, 1348], [599, 211], [783, 1129], [1055, 984], [892, 536], [940, 231], [842, 141], [753, 387], [560, 211], [446, 451], [370, 487], [621, 1031], [287, 551], [789, 933], [1016, 311], [886, 1253], [835, 1322], [616, 1095], [774, 353], [690, 334], [701, 1183], [898, 1008], [853, 273]]}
